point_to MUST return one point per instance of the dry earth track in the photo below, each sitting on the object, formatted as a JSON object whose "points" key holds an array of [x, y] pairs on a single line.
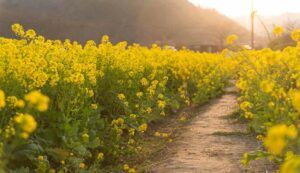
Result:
{"points": [[211, 143]]}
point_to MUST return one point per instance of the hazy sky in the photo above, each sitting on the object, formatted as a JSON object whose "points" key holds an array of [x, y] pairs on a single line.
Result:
{"points": [[236, 8]]}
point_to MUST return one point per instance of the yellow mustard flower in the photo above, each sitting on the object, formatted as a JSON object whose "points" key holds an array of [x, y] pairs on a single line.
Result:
{"points": [[85, 137], [157, 134], [278, 30], [249, 115], [100, 156], [2, 99], [231, 39], [266, 86], [132, 116], [131, 131], [40, 158], [81, 165], [94, 106], [142, 128], [30, 34], [12, 101], [121, 97], [291, 165], [90, 93], [276, 139], [139, 94], [26, 122], [62, 162], [126, 167], [245, 106], [161, 104], [20, 103], [296, 100], [38, 100], [295, 35], [149, 110], [131, 170], [144, 82], [18, 29]]}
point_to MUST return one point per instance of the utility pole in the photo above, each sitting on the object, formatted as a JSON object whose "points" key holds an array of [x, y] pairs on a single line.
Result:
{"points": [[252, 24]]}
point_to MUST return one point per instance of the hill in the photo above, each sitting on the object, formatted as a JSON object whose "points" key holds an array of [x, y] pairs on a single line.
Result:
{"points": [[287, 20], [173, 22]]}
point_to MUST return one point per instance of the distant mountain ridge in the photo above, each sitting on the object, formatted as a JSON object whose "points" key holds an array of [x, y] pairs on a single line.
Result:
{"points": [[173, 22], [287, 20]]}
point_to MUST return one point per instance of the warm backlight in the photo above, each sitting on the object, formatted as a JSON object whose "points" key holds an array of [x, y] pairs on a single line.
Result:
{"points": [[235, 8]]}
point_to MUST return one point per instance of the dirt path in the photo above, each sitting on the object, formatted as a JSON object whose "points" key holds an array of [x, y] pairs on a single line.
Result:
{"points": [[211, 143]]}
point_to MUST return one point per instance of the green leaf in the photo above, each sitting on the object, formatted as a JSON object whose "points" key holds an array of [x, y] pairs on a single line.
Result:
{"points": [[29, 151], [95, 143], [58, 153]]}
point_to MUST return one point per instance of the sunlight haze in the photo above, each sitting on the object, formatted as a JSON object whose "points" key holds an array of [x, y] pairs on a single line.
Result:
{"points": [[236, 8]]}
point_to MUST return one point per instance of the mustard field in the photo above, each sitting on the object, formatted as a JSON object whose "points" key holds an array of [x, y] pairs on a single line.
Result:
{"points": [[269, 84], [67, 107]]}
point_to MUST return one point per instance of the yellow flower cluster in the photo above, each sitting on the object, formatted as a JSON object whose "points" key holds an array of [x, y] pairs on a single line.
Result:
{"points": [[23, 124], [161, 104], [296, 35], [231, 39], [2, 99], [38, 100], [142, 128], [121, 97], [266, 86], [81, 165], [27, 124], [128, 169], [269, 84], [291, 165], [139, 94], [14, 102], [278, 30], [245, 106], [102, 95], [276, 139], [162, 135], [18, 29]]}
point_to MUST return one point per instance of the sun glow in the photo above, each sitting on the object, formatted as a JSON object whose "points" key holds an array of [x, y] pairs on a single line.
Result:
{"points": [[235, 8]]}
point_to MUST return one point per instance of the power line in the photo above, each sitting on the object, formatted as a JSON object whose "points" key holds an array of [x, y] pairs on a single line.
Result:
{"points": [[252, 24]]}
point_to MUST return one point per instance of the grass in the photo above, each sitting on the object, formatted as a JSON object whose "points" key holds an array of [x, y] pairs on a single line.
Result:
{"points": [[236, 133], [233, 116], [236, 115]]}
